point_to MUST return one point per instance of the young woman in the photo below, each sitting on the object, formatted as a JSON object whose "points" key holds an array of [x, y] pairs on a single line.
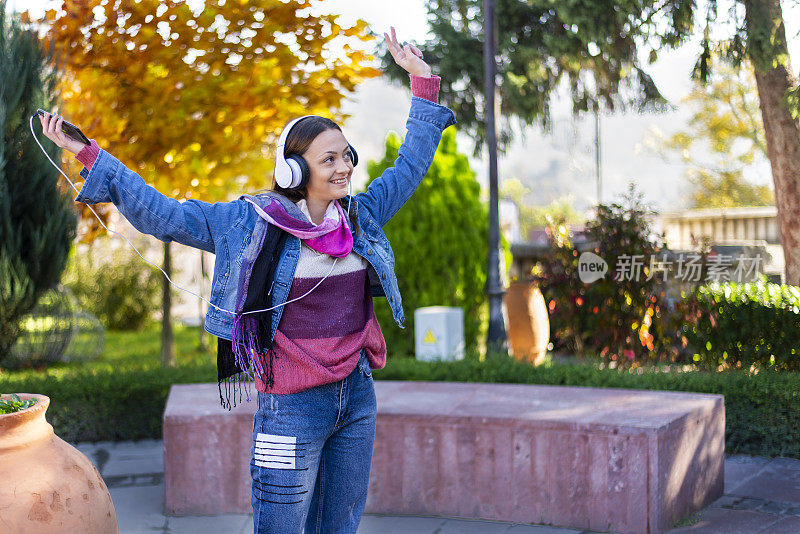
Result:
{"points": [[318, 256]]}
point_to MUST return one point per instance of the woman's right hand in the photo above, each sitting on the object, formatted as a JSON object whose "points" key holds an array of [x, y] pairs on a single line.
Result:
{"points": [[408, 56], [51, 127]]}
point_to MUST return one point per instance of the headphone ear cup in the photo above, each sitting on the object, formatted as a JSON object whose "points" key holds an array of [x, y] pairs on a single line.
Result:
{"points": [[283, 174], [300, 171], [353, 155]]}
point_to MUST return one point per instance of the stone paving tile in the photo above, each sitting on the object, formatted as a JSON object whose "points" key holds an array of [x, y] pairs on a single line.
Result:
{"points": [[542, 529], [247, 528], [746, 459], [85, 447], [727, 501], [785, 463], [126, 481], [794, 510], [114, 460], [137, 453], [464, 526], [389, 524], [740, 467], [215, 524], [142, 447], [131, 466], [778, 481], [724, 521], [748, 503], [119, 458], [734, 502], [787, 525], [139, 509], [775, 507], [106, 444]]}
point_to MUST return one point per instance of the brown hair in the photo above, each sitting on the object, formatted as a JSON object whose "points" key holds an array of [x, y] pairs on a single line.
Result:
{"points": [[298, 140]]}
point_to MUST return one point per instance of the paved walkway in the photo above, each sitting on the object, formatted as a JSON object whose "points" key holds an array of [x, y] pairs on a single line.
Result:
{"points": [[762, 495]]}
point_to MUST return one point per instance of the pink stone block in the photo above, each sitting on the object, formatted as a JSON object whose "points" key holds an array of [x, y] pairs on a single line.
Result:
{"points": [[206, 452], [626, 461]]}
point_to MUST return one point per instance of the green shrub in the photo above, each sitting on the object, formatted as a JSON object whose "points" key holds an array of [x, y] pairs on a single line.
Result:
{"points": [[621, 316], [121, 290], [743, 325], [762, 411], [105, 402], [440, 243]]}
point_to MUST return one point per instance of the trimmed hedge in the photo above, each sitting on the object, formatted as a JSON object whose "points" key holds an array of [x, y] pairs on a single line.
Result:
{"points": [[742, 325], [762, 410], [106, 402]]}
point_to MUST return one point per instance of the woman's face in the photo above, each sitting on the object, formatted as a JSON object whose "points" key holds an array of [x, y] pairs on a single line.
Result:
{"points": [[328, 158]]}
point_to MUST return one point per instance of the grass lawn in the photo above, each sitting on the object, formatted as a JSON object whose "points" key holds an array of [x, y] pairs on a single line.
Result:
{"points": [[138, 350], [143, 348]]}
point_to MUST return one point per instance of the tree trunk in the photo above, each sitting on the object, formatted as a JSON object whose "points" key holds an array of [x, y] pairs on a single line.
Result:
{"points": [[769, 54], [167, 337]]}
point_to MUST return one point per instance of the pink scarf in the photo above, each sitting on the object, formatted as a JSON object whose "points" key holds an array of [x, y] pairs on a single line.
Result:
{"points": [[332, 237]]}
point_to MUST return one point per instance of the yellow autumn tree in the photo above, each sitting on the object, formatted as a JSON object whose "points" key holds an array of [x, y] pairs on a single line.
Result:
{"points": [[193, 95]]}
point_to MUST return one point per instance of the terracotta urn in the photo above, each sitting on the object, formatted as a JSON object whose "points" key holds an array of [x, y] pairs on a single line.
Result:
{"points": [[528, 322], [46, 484]]}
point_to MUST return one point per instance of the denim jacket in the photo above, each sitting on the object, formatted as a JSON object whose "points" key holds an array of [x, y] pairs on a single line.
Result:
{"points": [[233, 229]]}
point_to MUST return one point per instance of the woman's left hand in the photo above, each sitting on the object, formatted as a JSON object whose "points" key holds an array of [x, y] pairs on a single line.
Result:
{"points": [[409, 56]]}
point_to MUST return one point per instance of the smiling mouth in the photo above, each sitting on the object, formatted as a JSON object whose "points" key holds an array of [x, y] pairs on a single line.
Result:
{"points": [[339, 182]]}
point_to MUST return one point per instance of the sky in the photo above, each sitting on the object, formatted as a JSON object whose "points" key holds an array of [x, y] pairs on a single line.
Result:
{"points": [[552, 166]]}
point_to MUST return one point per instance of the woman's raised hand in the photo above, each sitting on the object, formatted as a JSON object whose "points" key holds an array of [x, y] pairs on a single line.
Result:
{"points": [[51, 127], [408, 56]]}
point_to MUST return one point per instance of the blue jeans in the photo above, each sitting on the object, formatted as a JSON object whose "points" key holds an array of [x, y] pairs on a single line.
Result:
{"points": [[311, 456]]}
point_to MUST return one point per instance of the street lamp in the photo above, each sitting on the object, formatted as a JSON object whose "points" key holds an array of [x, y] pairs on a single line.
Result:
{"points": [[496, 342]]}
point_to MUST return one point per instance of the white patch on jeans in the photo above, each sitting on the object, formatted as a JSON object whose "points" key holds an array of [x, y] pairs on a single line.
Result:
{"points": [[276, 452]]}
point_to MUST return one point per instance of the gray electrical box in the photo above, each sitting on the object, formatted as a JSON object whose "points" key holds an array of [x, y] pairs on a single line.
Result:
{"points": [[439, 333]]}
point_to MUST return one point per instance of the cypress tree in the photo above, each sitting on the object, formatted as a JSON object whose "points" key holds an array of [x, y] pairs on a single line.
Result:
{"points": [[440, 243], [37, 219]]}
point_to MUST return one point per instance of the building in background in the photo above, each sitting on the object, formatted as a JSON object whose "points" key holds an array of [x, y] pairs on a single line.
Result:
{"points": [[727, 229]]}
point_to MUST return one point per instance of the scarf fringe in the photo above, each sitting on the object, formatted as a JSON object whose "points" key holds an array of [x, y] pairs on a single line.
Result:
{"points": [[236, 383], [248, 354]]}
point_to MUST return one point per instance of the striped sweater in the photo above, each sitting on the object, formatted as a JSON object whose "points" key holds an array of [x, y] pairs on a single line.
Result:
{"points": [[319, 336]]}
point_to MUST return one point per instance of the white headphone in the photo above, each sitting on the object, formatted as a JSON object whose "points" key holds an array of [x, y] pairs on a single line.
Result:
{"points": [[289, 173], [293, 172]]}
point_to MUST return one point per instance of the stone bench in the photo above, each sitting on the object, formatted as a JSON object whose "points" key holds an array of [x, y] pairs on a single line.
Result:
{"points": [[626, 461]]}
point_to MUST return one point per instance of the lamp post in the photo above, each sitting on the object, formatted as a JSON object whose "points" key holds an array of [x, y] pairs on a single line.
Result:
{"points": [[496, 341]]}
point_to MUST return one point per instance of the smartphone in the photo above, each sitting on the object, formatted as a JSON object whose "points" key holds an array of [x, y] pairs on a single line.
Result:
{"points": [[69, 129]]}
